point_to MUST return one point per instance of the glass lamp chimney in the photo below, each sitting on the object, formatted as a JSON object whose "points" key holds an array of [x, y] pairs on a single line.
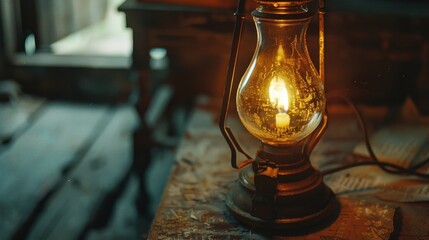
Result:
{"points": [[280, 99]]}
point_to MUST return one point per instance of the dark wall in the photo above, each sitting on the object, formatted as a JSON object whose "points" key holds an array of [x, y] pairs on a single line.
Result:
{"points": [[375, 49]]}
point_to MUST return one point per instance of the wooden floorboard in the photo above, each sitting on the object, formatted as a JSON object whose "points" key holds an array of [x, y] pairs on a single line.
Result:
{"points": [[106, 164], [65, 173], [125, 222], [34, 163], [16, 117]]}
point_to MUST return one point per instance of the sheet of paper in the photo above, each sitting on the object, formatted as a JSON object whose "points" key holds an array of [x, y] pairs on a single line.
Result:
{"points": [[417, 193], [352, 182], [398, 144]]}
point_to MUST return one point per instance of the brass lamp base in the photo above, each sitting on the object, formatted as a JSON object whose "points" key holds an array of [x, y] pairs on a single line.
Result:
{"points": [[300, 199]]}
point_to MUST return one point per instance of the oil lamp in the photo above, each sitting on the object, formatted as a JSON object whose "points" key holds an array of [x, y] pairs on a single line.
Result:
{"points": [[280, 100]]}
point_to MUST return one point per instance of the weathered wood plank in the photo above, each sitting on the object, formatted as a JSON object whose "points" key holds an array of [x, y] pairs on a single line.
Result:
{"points": [[124, 221], [108, 161], [31, 166], [16, 116]]}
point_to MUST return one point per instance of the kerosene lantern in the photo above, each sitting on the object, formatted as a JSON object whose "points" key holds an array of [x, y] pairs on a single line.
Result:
{"points": [[281, 101]]}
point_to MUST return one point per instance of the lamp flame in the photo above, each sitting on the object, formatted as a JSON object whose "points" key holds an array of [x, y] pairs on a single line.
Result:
{"points": [[278, 94]]}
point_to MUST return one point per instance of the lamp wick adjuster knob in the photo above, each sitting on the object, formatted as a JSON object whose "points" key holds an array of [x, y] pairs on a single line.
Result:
{"points": [[263, 201]]}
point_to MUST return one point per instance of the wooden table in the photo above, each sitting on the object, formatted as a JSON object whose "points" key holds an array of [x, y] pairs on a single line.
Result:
{"points": [[193, 202]]}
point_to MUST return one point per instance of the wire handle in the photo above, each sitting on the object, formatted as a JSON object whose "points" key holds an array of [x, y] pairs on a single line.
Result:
{"points": [[225, 130]]}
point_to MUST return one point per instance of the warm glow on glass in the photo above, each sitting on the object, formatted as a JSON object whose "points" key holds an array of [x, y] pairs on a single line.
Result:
{"points": [[280, 99]]}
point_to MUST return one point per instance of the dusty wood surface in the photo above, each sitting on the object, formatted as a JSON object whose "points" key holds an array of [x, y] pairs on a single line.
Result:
{"points": [[193, 203]]}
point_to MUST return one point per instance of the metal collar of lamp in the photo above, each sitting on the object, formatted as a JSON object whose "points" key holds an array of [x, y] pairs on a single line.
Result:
{"points": [[281, 101]]}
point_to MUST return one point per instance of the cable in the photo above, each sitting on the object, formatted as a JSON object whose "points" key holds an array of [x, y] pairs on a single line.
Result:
{"points": [[385, 166]]}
